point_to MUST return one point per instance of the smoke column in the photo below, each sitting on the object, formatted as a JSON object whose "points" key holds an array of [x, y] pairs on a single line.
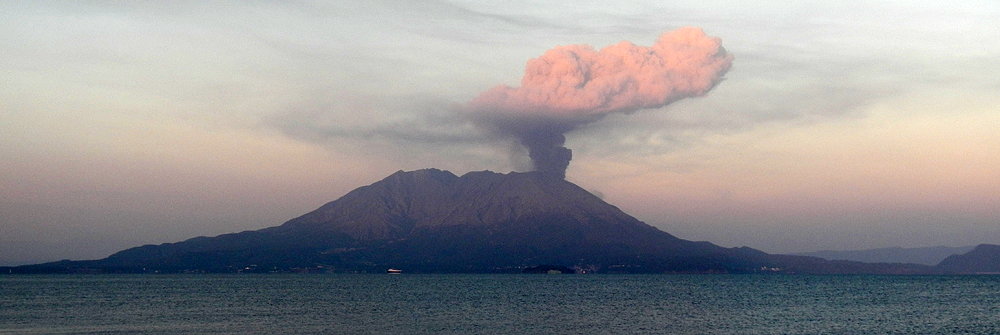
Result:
{"points": [[573, 85]]}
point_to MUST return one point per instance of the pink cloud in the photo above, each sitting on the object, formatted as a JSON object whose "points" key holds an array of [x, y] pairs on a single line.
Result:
{"points": [[572, 85]]}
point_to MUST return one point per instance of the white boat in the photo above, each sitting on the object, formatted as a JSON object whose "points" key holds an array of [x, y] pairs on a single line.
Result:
{"points": [[394, 271]]}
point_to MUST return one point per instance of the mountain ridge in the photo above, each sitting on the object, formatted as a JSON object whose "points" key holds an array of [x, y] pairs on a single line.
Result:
{"points": [[922, 255]]}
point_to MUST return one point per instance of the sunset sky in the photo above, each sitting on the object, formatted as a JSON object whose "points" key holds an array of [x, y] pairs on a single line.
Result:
{"points": [[840, 125]]}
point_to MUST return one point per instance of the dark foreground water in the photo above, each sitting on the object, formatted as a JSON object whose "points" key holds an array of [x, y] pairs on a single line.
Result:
{"points": [[500, 304]]}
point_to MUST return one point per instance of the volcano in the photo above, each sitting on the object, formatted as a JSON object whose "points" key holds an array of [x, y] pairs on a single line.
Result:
{"points": [[432, 221]]}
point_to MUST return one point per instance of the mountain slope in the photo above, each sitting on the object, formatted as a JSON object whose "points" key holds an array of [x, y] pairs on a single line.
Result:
{"points": [[433, 221]]}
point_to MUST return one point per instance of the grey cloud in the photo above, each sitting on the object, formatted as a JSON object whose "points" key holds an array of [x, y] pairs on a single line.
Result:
{"points": [[408, 120]]}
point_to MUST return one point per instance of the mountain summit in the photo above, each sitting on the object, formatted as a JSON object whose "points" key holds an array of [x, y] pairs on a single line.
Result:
{"points": [[408, 203], [434, 221]]}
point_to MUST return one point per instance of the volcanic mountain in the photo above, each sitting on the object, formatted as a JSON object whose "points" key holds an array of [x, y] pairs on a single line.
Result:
{"points": [[434, 221]]}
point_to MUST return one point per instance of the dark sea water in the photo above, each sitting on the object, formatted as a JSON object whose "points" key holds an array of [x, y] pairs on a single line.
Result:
{"points": [[499, 304]]}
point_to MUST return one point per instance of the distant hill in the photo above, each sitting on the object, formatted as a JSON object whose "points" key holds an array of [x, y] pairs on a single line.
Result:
{"points": [[434, 221], [984, 258], [926, 256]]}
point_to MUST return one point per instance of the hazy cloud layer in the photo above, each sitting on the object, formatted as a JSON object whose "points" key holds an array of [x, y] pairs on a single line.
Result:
{"points": [[799, 67]]}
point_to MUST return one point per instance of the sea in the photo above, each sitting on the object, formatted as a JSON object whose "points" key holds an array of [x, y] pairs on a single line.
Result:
{"points": [[497, 304]]}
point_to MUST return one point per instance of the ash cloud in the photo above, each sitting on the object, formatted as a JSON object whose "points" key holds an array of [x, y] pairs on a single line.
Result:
{"points": [[574, 85]]}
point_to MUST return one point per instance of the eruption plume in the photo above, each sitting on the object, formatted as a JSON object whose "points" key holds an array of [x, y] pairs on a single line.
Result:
{"points": [[573, 85]]}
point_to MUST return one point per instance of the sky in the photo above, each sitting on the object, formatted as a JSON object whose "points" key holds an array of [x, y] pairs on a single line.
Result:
{"points": [[847, 125]]}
